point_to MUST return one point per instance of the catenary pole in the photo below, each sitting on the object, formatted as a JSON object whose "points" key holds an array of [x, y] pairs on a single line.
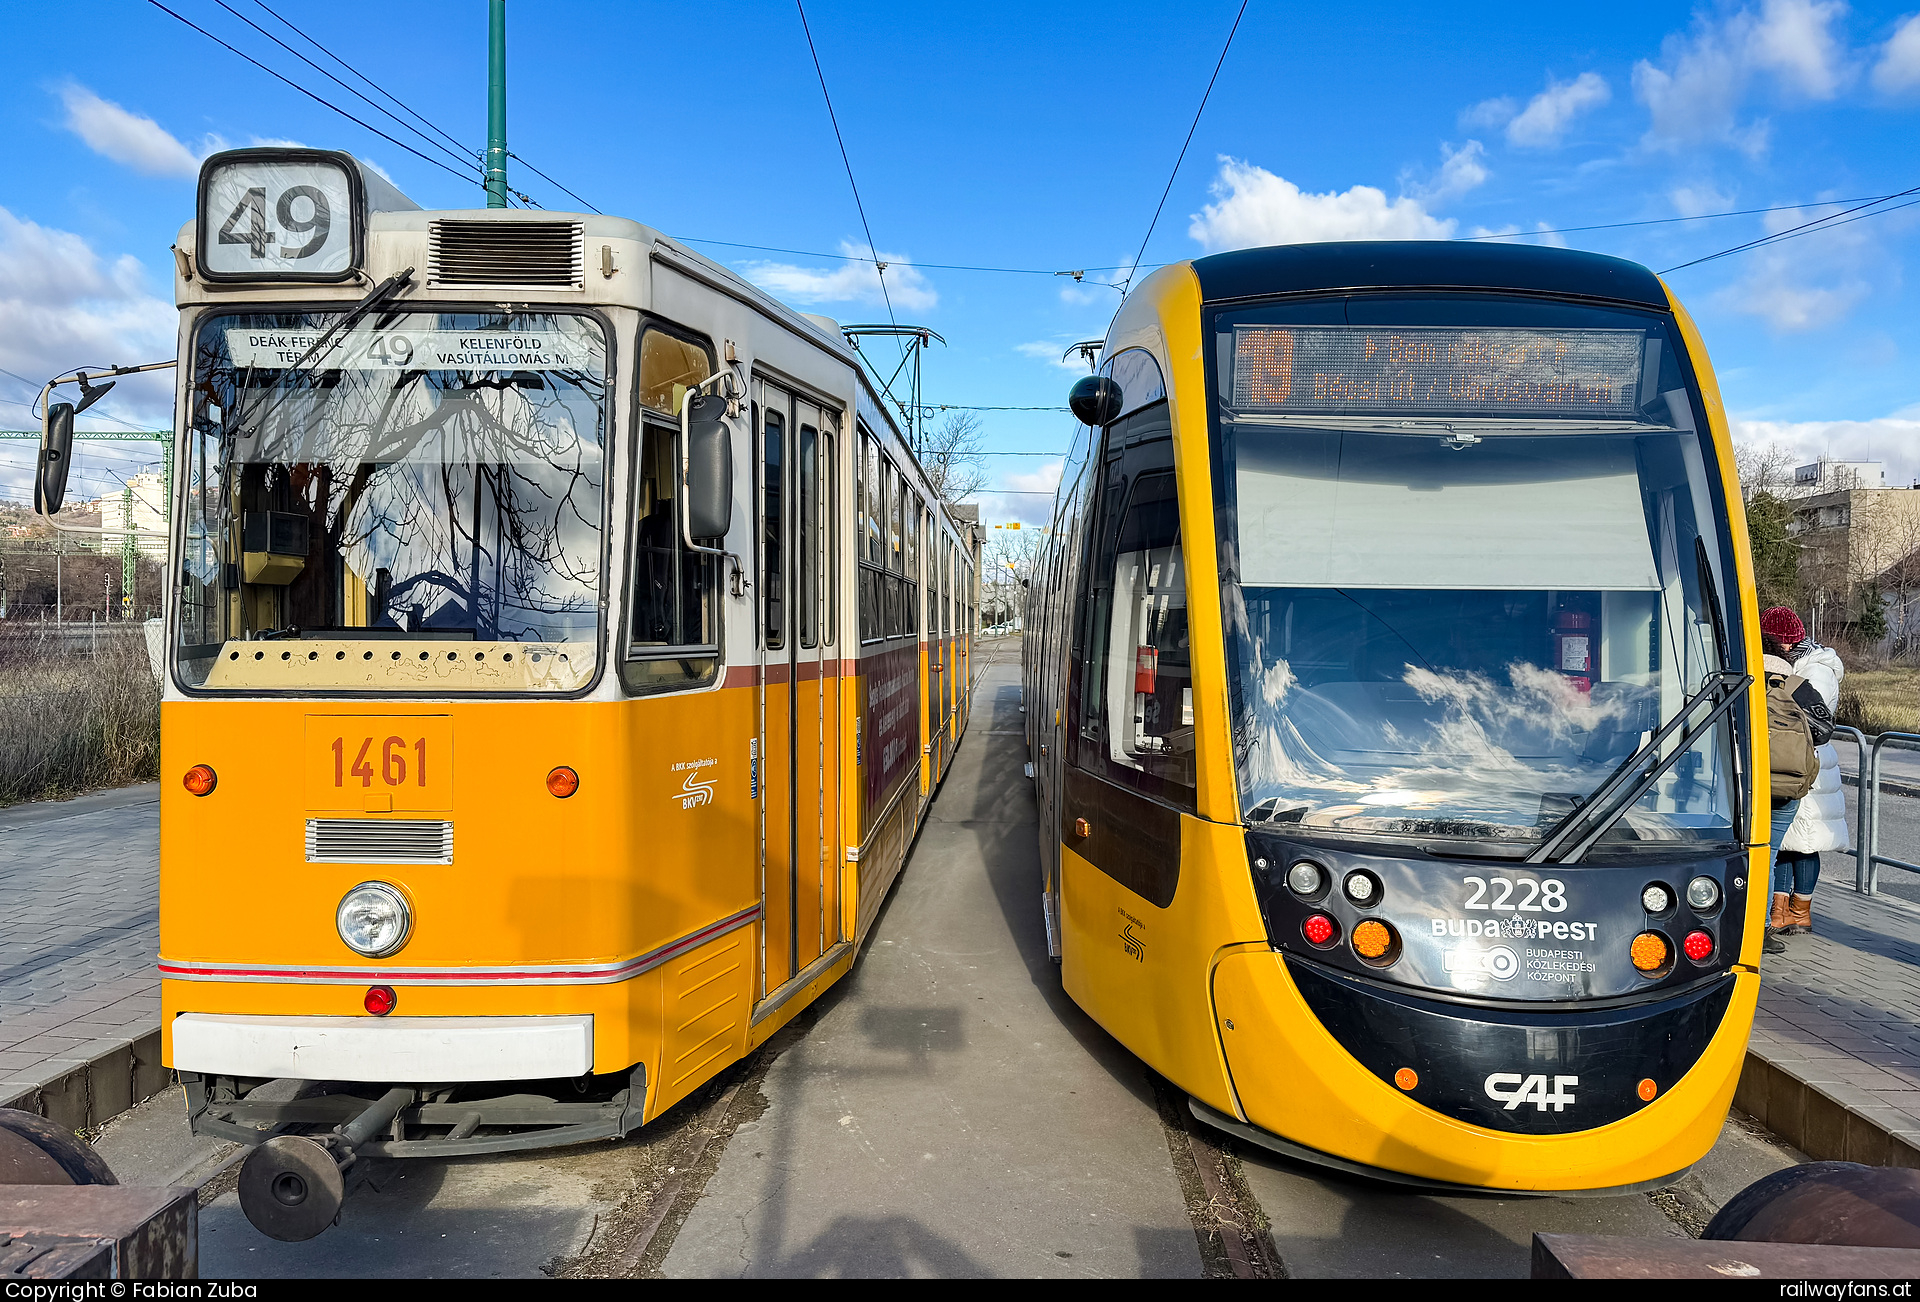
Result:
{"points": [[496, 103]]}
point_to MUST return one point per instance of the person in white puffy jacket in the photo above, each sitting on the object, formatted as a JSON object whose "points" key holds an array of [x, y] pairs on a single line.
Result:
{"points": [[1821, 821]]}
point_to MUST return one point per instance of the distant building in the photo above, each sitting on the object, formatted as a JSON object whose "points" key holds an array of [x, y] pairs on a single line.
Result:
{"points": [[1856, 541], [147, 515], [1828, 476]]}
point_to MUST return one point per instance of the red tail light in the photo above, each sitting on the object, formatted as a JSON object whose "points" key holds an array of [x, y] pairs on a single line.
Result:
{"points": [[380, 1000], [1318, 929], [1698, 945]]}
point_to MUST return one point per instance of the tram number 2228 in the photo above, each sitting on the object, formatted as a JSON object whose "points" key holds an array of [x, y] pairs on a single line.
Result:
{"points": [[1549, 896], [392, 759]]}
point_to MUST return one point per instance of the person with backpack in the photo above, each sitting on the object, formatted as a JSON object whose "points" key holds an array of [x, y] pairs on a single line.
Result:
{"points": [[1803, 690]]}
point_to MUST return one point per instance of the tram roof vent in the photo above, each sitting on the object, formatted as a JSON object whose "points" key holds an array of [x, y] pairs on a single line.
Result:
{"points": [[505, 253]]}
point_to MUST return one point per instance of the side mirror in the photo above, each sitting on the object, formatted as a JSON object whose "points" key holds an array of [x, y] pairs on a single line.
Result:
{"points": [[1095, 400], [709, 468], [56, 455]]}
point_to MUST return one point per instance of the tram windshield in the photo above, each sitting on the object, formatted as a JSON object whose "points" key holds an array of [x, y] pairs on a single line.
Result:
{"points": [[423, 479], [1473, 567]]}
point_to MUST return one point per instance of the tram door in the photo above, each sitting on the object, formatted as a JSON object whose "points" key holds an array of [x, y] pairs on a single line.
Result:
{"points": [[794, 456]]}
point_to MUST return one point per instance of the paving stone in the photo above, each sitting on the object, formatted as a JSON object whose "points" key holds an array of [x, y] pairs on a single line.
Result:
{"points": [[79, 934]]}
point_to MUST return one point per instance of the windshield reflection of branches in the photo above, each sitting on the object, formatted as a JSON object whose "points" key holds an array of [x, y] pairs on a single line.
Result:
{"points": [[481, 498]]}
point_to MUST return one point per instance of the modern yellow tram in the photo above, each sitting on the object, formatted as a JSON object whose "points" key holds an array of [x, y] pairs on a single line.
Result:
{"points": [[565, 645], [1389, 692]]}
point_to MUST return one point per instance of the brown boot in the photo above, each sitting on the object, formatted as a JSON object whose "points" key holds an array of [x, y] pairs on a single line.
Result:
{"points": [[1777, 920], [1800, 913]]}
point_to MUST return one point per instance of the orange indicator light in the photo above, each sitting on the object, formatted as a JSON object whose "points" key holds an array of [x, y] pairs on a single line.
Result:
{"points": [[1371, 939], [200, 780], [1648, 1089], [1649, 951], [1406, 1078], [563, 782]]}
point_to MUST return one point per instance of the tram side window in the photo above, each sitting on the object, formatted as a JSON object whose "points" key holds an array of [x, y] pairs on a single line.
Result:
{"points": [[674, 638], [806, 615], [869, 598], [669, 366], [830, 529], [772, 575], [1134, 704]]}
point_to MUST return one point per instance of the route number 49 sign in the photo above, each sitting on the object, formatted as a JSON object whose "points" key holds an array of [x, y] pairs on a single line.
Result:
{"points": [[279, 215]]}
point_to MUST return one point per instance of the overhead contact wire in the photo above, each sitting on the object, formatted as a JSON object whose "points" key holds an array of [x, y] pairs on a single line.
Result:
{"points": [[1184, 146], [879, 267]]}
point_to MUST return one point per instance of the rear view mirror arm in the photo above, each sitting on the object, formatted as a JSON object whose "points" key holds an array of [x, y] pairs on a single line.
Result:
{"points": [[686, 438], [43, 507]]}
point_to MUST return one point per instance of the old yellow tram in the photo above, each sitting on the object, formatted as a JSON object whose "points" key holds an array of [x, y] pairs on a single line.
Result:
{"points": [[564, 646], [1389, 690]]}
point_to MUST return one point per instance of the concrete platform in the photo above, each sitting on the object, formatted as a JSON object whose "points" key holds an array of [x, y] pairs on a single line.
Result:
{"points": [[952, 1113]]}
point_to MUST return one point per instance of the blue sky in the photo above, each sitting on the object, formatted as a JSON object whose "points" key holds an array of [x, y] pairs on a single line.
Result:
{"points": [[1035, 137]]}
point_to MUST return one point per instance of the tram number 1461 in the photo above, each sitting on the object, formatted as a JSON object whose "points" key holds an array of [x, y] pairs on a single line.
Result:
{"points": [[379, 762], [392, 757]]}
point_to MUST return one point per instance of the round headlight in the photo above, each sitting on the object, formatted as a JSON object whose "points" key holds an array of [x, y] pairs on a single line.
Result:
{"points": [[373, 919], [1304, 878], [1656, 899], [1361, 888], [1703, 893]]}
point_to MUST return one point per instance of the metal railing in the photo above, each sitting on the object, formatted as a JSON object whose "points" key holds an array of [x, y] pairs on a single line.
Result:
{"points": [[1867, 859]]}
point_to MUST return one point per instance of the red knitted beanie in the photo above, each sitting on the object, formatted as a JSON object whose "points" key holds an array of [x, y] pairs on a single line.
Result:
{"points": [[1781, 623]]}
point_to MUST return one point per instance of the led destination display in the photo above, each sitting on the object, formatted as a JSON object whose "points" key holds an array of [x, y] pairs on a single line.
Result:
{"points": [[1590, 374]]}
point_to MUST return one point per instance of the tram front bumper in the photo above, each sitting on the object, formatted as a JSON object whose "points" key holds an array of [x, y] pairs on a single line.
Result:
{"points": [[1294, 1079], [439, 1049]]}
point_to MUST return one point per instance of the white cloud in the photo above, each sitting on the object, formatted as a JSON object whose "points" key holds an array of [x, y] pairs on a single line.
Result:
{"points": [[1548, 115], [1023, 495], [850, 282], [1697, 92], [1252, 207], [1051, 351], [62, 306], [1491, 114], [1892, 440], [126, 137], [1899, 68], [1698, 200], [1461, 170], [1807, 283]]}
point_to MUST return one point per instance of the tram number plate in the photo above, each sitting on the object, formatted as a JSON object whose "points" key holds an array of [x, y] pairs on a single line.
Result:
{"points": [[379, 762]]}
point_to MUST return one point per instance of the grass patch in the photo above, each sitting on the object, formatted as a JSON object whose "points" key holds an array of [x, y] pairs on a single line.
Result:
{"points": [[74, 719], [1881, 700]]}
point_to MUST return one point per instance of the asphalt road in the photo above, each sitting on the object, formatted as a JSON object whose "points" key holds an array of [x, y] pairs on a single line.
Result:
{"points": [[946, 1111]]}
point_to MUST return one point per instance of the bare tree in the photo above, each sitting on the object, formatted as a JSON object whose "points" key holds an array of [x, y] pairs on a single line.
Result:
{"points": [[1762, 467], [950, 456], [1007, 565]]}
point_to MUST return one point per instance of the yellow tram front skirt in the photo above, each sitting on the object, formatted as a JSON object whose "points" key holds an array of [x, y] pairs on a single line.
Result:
{"points": [[1294, 1080]]}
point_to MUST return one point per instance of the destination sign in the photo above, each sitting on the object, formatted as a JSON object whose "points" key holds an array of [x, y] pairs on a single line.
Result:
{"points": [[420, 350], [1434, 370]]}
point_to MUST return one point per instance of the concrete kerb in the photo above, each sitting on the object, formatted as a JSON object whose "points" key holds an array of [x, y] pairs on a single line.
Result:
{"points": [[1828, 1121], [83, 1095]]}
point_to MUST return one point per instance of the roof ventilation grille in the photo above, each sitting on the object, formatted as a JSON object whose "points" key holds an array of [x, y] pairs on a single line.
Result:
{"points": [[505, 253]]}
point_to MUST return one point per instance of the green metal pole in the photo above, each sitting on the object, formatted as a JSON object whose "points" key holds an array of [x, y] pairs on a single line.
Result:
{"points": [[127, 555], [496, 103]]}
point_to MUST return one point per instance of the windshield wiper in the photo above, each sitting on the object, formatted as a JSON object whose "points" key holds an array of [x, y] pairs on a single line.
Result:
{"points": [[1627, 784], [379, 294]]}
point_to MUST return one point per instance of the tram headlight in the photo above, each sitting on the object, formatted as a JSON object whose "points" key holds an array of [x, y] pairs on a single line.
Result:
{"points": [[1703, 893], [1362, 888], [373, 919], [1656, 898], [1305, 878]]}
